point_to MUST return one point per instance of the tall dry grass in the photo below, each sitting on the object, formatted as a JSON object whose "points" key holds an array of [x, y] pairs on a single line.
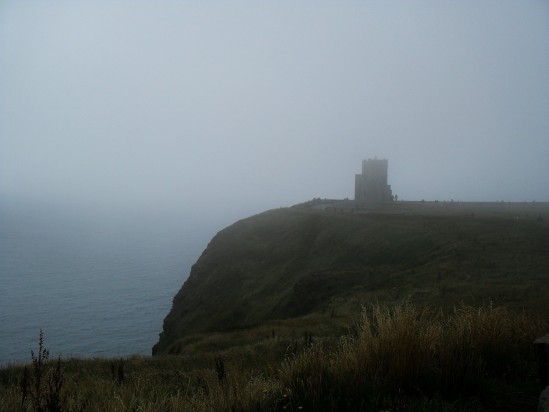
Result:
{"points": [[414, 354]]}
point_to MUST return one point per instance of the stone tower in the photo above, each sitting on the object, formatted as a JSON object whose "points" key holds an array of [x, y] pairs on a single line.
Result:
{"points": [[371, 186]]}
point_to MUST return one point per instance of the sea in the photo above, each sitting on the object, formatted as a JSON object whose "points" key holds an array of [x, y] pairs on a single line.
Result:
{"points": [[95, 284]]}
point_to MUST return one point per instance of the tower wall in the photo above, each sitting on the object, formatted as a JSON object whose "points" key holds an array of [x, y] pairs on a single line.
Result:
{"points": [[376, 170], [371, 186]]}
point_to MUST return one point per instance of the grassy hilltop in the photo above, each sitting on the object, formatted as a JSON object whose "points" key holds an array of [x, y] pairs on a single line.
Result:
{"points": [[414, 307], [302, 262]]}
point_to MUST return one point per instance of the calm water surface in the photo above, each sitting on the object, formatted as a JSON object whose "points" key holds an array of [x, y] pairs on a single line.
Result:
{"points": [[97, 286]]}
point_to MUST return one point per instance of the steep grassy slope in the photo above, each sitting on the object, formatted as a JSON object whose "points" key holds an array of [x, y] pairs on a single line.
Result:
{"points": [[287, 263]]}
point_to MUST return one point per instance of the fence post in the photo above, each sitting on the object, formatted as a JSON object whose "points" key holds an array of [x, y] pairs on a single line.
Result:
{"points": [[542, 348]]}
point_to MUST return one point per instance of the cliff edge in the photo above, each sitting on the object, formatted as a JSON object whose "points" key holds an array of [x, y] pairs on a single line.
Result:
{"points": [[292, 262]]}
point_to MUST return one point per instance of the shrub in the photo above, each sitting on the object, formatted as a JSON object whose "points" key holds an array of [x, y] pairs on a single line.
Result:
{"points": [[35, 393]]}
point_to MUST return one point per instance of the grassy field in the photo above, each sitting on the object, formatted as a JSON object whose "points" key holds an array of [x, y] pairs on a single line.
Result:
{"points": [[399, 359], [418, 307]]}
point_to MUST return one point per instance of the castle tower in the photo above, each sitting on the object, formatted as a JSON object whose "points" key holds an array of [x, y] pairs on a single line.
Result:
{"points": [[371, 186]]}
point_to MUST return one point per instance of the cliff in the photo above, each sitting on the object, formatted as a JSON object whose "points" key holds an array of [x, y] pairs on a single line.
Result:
{"points": [[293, 262]]}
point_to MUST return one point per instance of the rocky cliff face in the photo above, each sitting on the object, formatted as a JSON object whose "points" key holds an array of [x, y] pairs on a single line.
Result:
{"points": [[291, 262]]}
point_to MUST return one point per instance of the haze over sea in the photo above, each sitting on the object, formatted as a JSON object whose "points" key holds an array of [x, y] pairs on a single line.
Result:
{"points": [[97, 285]]}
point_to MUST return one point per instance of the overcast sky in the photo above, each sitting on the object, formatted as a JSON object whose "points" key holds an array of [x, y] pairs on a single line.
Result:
{"points": [[251, 105]]}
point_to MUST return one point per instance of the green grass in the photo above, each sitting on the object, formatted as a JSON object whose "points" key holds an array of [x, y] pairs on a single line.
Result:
{"points": [[403, 358], [294, 262]]}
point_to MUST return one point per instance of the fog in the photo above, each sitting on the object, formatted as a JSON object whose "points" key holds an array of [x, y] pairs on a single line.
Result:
{"points": [[235, 107]]}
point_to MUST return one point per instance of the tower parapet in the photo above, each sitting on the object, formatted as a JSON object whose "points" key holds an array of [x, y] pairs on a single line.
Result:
{"points": [[371, 186]]}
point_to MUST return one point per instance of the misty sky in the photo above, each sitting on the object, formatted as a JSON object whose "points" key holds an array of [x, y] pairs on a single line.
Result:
{"points": [[249, 105]]}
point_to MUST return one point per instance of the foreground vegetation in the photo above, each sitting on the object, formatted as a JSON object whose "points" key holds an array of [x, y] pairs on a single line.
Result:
{"points": [[403, 358]]}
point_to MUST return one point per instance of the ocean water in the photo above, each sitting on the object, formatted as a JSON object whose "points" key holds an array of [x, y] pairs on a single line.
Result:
{"points": [[98, 286]]}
